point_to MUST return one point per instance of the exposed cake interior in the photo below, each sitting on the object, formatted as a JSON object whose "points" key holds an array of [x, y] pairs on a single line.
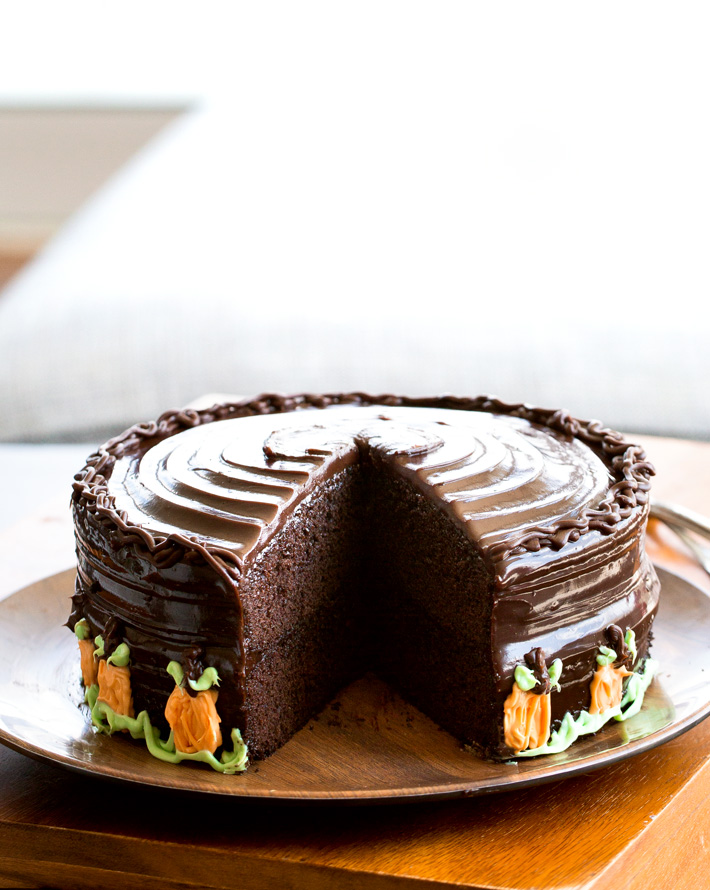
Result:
{"points": [[433, 594], [367, 574], [304, 603]]}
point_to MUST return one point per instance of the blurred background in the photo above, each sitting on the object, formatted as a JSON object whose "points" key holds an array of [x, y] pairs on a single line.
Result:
{"points": [[405, 197]]}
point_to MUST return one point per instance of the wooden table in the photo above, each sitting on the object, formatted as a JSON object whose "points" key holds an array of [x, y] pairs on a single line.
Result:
{"points": [[641, 823]]}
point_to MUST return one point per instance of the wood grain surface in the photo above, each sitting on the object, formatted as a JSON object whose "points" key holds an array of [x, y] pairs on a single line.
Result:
{"points": [[641, 823]]}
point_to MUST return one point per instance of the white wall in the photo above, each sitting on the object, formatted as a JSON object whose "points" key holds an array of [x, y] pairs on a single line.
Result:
{"points": [[53, 159]]}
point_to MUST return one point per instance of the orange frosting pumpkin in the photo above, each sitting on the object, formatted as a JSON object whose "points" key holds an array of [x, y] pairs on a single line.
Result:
{"points": [[526, 720], [194, 720], [89, 667], [115, 688], [606, 687]]}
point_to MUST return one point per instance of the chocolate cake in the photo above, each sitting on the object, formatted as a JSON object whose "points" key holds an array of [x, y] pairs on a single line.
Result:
{"points": [[486, 559]]}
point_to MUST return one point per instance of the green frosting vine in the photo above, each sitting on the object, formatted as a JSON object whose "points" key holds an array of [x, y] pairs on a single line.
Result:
{"points": [[555, 672], [106, 720], [81, 629], [175, 670], [526, 679], [99, 650], [121, 656], [608, 656], [572, 728], [630, 640], [208, 678]]}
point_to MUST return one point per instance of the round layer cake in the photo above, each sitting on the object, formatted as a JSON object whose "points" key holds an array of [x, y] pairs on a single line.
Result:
{"points": [[238, 566]]}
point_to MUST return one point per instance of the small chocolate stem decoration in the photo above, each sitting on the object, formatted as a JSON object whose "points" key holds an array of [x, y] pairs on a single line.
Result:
{"points": [[624, 655], [535, 660], [112, 635], [192, 664]]}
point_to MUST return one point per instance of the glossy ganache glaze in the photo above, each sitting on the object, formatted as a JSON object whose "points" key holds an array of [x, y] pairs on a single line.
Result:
{"points": [[555, 507]]}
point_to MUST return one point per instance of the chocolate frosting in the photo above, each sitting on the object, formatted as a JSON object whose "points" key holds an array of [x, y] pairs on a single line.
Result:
{"points": [[600, 504], [554, 505]]}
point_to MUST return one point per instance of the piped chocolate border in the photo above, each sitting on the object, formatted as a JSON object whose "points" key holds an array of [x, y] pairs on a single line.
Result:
{"points": [[627, 463]]}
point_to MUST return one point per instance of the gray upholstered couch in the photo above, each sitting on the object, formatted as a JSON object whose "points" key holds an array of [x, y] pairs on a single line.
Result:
{"points": [[221, 259]]}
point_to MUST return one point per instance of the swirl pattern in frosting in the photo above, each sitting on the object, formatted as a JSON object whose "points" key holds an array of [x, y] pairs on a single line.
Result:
{"points": [[230, 483]]}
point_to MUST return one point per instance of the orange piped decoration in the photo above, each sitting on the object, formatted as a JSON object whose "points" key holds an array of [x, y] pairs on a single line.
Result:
{"points": [[526, 719], [606, 687], [194, 720], [115, 688], [89, 667]]}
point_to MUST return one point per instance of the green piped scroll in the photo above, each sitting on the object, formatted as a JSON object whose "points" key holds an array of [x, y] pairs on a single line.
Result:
{"points": [[81, 629], [106, 720], [572, 728], [121, 656], [606, 657], [99, 644], [207, 679], [630, 640], [527, 680], [175, 670], [555, 672]]}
